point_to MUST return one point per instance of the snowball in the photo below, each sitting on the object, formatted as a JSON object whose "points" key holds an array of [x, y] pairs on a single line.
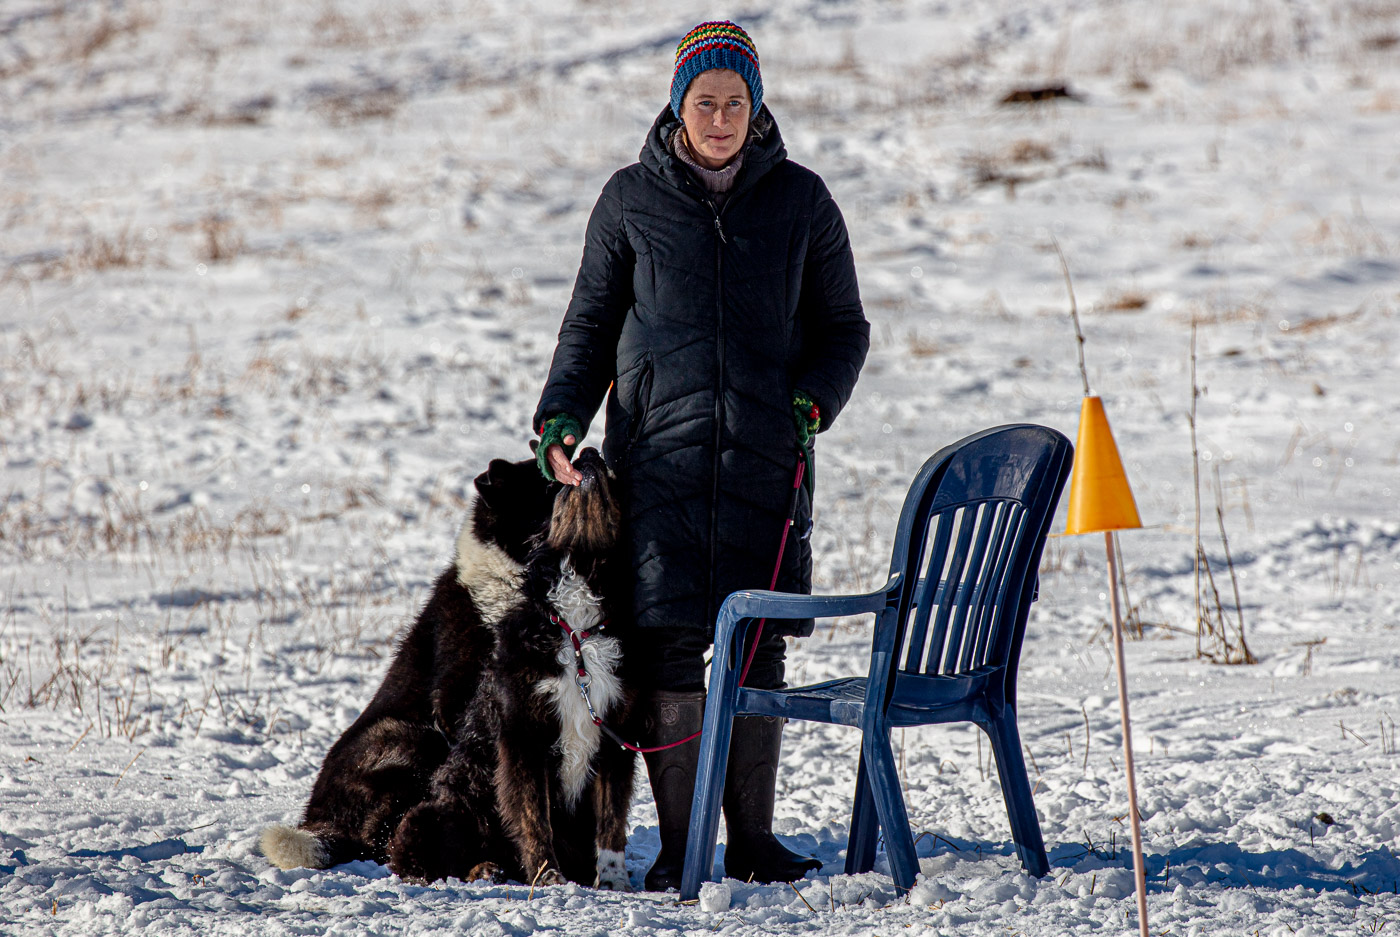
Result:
{"points": [[715, 897]]}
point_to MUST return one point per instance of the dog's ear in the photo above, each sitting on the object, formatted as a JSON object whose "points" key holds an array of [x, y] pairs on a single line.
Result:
{"points": [[495, 476]]}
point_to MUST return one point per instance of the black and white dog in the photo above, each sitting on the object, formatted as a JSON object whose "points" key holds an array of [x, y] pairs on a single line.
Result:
{"points": [[480, 755]]}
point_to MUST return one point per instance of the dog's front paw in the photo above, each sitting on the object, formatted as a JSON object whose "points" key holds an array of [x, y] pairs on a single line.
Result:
{"points": [[612, 872]]}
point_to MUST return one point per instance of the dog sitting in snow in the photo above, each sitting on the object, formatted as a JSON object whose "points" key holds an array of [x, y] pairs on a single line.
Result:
{"points": [[479, 757]]}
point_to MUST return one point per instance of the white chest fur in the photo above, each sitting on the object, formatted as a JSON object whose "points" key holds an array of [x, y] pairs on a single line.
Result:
{"points": [[579, 736]]}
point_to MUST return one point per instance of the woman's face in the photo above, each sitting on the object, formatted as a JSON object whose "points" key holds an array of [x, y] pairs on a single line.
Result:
{"points": [[716, 115]]}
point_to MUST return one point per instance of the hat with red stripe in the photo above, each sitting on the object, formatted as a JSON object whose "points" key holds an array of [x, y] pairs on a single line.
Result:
{"points": [[718, 44]]}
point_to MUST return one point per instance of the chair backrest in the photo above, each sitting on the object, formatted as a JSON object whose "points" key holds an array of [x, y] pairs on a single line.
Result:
{"points": [[968, 546]]}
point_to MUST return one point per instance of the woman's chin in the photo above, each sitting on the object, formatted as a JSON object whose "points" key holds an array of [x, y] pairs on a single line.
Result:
{"points": [[717, 160]]}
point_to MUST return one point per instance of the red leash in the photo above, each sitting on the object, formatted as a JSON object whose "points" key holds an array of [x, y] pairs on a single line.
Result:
{"points": [[583, 680], [782, 545]]}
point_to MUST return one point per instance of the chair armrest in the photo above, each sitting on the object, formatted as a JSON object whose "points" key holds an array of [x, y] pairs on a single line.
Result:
{"points": [[760, 603]]}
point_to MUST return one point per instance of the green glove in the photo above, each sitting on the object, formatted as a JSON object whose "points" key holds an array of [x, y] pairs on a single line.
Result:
{"points": [[552, 433], [807, 415]]}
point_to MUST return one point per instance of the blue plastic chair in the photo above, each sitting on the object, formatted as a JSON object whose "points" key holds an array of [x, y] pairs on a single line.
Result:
{"points": [[947, 639]]}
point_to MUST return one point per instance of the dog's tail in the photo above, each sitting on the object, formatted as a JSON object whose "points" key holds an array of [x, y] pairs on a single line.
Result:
{"points": [[289, 847]]}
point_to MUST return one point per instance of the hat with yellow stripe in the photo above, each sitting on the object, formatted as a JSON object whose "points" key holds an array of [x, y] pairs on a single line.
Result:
{"points": [[717, 44]]}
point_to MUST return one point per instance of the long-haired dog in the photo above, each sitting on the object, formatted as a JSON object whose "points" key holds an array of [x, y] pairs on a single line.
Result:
{"points": [[480, 754]]}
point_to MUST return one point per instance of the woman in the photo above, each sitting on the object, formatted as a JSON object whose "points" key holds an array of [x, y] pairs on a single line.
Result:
{"points": [[716, 307]]}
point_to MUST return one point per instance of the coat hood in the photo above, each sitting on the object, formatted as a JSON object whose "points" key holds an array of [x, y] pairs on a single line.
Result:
{"points": [[763, 150]]}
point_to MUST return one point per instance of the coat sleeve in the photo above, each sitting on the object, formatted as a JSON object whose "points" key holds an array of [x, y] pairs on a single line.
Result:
{"points": [[835, 333], [585, 358]]}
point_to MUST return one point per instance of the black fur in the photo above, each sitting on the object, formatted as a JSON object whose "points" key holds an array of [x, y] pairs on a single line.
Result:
{"points": [[455, 767]]}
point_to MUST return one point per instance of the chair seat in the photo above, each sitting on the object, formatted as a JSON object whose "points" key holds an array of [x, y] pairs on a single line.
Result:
{"points": [[919, 699], [836, 702], [927, 699]]}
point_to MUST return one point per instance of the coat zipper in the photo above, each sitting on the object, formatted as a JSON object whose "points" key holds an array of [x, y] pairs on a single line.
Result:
{"points": [[719, 405]]}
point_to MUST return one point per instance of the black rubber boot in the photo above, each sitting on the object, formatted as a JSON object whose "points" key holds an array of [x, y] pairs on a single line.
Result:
{"points": [[669, 717], [752, 852]]}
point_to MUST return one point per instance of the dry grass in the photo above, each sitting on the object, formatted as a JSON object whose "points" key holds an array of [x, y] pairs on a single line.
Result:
{"points": [[1320, 323], [1222, 39], [1026, 161], [1124, 301], [1030, 151], [921, 347], [347, 105], [1218, 311], [371, 203], [96, 252], [1195, 241], [71, 33], [222, 241], [381, 26], [310, 375], [1346, 235]]}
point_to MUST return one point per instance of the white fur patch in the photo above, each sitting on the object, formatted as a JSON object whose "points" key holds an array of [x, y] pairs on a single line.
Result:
{"points": [[578, 735], [612, 872], [487, 572], [291, 848]]}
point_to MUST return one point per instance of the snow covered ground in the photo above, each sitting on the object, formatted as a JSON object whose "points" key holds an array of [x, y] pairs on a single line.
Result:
{"points": [[276, 281]]}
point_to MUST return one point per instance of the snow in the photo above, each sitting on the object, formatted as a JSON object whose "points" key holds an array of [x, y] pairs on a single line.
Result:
{"points": [[276, 281]]}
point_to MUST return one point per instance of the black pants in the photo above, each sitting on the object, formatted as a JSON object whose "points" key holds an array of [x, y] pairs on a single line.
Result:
{"points": [[675, 660]]}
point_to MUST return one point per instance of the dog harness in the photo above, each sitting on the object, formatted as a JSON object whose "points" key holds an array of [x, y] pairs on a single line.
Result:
{"points": [[584, 683], [581, 678]]}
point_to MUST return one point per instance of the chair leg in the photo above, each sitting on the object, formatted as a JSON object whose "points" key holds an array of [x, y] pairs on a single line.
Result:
{"points": [[889, 805], [865, 825], [1016, 790], [709, 793]]}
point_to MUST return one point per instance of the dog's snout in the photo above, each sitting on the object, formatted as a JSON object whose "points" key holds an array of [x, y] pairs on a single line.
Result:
{"points": [[588, 457], [590, 465]]}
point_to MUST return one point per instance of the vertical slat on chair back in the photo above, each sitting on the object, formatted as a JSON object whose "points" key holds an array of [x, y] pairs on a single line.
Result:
{"points": [[962, 587], [969, 538]]}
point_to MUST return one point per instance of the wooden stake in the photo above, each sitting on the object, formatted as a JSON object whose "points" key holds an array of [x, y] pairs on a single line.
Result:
{"points": [[1139, 872]]}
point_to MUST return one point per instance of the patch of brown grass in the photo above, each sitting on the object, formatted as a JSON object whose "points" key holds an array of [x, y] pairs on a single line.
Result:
{"points": [[1125, 301], [222, 241], [94, 253], [1030, 151], [921, 347], [371, 203], [1216, 313], [343, 107]]}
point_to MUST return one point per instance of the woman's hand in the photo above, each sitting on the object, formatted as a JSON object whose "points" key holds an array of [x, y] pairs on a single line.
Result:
{"points": [[559, 462], [558, 436]]}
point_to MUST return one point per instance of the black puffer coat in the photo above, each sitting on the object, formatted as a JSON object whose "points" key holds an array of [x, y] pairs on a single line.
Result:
{"points": [[705, 322]]}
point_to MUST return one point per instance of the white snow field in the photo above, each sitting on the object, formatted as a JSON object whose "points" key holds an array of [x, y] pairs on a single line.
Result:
{"points": [[277, 280]]}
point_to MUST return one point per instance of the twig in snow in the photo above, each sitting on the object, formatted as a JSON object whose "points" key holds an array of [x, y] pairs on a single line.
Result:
{"points": [[80, 738], [1074, 313], [1230, 565], [804, 900], [1086, 735], [543, 866], [128, 767], [1346, 732]]}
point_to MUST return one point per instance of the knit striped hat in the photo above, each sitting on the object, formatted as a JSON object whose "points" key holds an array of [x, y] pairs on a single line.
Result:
{"points": [[718, 44]]}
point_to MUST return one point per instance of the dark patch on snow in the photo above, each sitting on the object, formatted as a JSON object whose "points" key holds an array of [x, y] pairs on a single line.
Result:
{"points": [[152, 852]]}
